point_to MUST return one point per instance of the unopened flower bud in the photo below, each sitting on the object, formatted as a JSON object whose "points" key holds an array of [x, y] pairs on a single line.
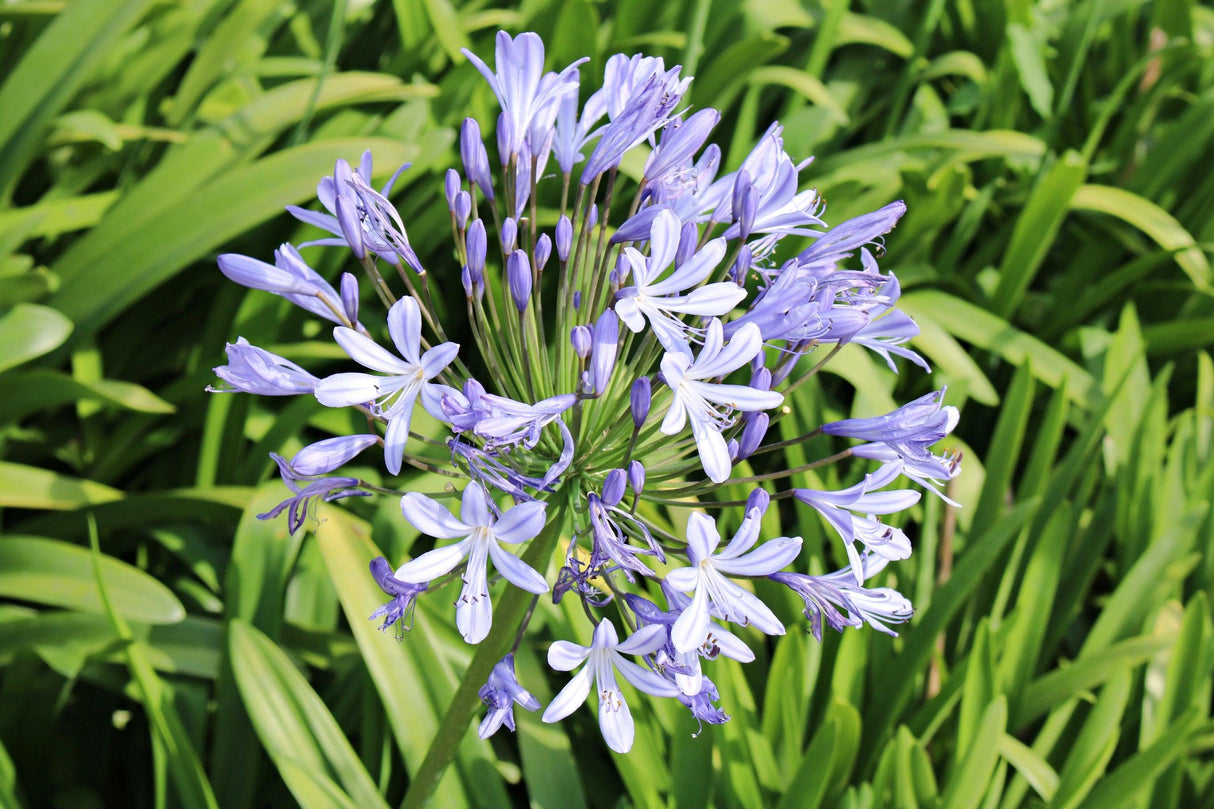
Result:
{"points": [[606, 341], [613, 487], [325, 456], [689, 237], [592, 217], [465, 278], [505, 128], [349, 296], [636, 476], [753, 434], [640, 400], [760, 499], [451, 188], [564, 237], [345, 205], [518, 276], [543, 249], [476, 245], [509, 234], [580, 337], [476, 159], [760, 379], [462, 209]]}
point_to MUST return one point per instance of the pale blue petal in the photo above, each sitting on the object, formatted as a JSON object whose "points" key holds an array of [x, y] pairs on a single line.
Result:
{"points": [[769, 557], [474, 506], [520, 523], [396, 436], [405, 327], [436, 359], [516, 571], [566, 656], [644, 641], [571, 696], [642, 679], [615, 720], [430, 518], [702, 537], [368, 353], [432, 564], [344, 390], [691, 627]]}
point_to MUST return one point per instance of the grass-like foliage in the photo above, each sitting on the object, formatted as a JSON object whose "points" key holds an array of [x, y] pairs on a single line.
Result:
{"points": [[162, 647]]}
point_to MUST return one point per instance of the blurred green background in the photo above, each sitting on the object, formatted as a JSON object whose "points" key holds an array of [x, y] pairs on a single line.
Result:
{"points": [[1055, 157]]}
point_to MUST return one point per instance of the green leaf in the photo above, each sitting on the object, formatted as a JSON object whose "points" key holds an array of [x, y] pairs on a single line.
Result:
{"points": [[1052, 689], [1095, 745], [1029, 58], [37, 390], [28, 331], [65, 56], [1036, 228], [52, 217], [294, 725], [984, 330], [978, 691], [236, 202], [869, 30], [971, 780], [1032, 767], [30, 487], [446, 22], [805, 84], [1152, 220], [1123, 786], [48, 571]]}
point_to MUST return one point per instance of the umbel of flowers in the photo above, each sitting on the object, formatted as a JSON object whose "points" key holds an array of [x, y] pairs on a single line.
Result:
{"points": [[627, 342]]}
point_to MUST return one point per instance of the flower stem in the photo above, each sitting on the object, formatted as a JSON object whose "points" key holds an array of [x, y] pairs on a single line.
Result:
{"points": [[507, 615]]}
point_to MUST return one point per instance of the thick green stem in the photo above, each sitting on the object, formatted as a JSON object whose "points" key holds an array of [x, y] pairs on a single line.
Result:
{"points": [[507, 615]]}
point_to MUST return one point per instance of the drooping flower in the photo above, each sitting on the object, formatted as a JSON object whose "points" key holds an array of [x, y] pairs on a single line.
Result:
{"points": [[480, 533], [399, 610], [254, 370], [603, 657], [394, 395], [500, 694]]}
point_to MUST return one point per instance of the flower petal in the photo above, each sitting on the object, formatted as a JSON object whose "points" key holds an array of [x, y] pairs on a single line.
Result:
{"points": [[430, 518], [436, 359], [520, 523], [474, 506], [405, 327], [395, 438], [702, 537], [368, 353], [571, 696], [432, 564], [691, 628], [645, 640], [642, 679], [615, 720], [344, 390], [769, 557], [516, 571]]}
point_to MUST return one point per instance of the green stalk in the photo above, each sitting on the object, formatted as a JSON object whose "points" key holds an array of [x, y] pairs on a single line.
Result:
{"points": [[507, 616]]}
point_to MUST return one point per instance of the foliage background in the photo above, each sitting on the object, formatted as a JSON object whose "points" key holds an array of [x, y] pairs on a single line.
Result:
{"points": [[1054, 157]]}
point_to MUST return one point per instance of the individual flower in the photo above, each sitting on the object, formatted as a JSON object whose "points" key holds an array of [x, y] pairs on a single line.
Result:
{"points": [[480, 533], [399, 610], [852, 513], [827, 597], [706, 404], [394, 395], [254, 370], [716, 595], [603, 657], [500, 694], [660, 300]]}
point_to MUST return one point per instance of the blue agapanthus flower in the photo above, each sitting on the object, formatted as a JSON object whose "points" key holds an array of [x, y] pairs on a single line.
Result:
{"points": [[629, 337]]}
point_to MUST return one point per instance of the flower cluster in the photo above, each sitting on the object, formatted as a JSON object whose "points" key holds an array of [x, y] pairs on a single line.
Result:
{"points": [[634, 336]]}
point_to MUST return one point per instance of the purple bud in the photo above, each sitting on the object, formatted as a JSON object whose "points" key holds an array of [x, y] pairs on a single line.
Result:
{"points": [[742, 264], [746, 213], [759, 499], [753, 434], [689, 237], [577, 299], [509, 234], [325, 456], [606, 340], [518, 276], [760, 379], [613, 487], [543, 249], [349, 296], [462, 209], [636, 476], [592, 217], [580, 337], [732, 448], [476, 159], [465, 278], [476, 244], [742, 186], [641, 396], [564, 237], [451, 187], [346, 207], [623, 268], [505, 128]]}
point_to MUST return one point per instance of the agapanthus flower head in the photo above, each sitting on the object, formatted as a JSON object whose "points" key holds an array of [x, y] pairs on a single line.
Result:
{"points": [[626, 346]]}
